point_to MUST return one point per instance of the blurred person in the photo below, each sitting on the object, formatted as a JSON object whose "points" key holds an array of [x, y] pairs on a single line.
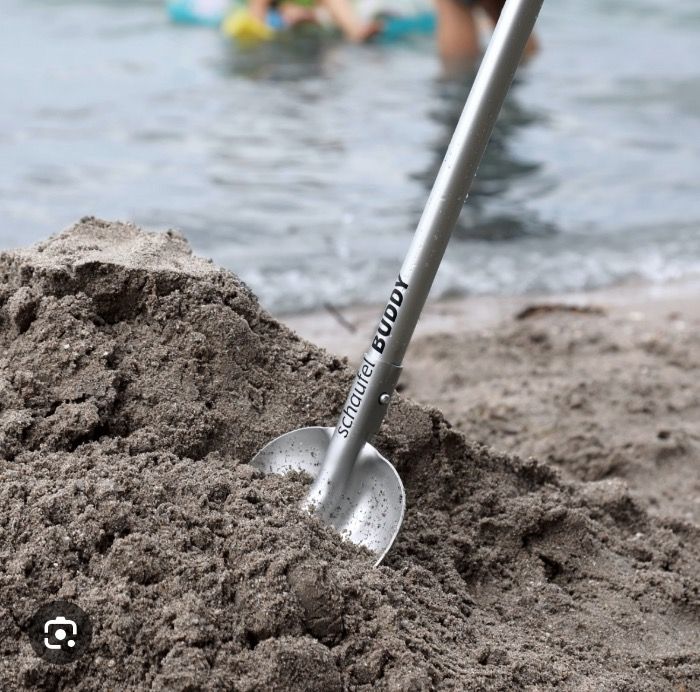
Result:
{"points": [[458, 28], [342, 13]]}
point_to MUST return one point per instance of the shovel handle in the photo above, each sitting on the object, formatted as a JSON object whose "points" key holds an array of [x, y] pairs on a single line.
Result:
{"points": [[368, 400]]}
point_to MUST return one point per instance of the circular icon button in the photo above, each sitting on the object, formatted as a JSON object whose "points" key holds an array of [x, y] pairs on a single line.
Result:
{"points": [[60, 632]]}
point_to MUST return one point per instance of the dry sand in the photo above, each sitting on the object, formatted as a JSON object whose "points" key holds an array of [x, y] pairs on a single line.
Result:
{"points": [[135, 383]]}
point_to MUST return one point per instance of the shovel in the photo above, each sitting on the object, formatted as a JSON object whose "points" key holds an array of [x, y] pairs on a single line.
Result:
{"points": [[355, 489]]}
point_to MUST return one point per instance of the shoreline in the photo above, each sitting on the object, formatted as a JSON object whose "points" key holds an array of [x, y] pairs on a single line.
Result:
{"points": [[637, 301]]}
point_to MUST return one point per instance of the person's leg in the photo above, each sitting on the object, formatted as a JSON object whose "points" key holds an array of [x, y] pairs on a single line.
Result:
{"points": [[493, 10], [258, 8], [352, 26], [457, 33]]}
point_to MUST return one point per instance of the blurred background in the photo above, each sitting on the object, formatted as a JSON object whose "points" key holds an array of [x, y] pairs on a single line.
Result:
{"points": [[304, 165]]}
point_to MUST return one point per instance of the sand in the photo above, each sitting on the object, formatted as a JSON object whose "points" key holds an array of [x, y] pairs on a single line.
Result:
{"points": [[136, 381], [595, 395], [600, 384]]}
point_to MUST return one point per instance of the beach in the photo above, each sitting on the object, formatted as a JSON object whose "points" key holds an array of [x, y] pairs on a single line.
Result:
{"points": [[215, 473], [136, 382]]}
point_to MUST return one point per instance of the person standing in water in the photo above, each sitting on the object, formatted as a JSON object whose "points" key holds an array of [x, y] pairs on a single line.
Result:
{"points": [[458, 28]]}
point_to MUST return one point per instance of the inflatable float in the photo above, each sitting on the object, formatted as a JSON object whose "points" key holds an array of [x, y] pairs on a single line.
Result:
{"points": [[239, 24], [198, 12]]}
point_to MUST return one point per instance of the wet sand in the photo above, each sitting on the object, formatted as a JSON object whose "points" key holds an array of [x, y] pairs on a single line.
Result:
{"points": [[137, 381]]}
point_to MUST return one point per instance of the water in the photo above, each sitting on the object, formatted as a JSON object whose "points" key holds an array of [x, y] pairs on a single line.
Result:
{"points": [[304, 167]]}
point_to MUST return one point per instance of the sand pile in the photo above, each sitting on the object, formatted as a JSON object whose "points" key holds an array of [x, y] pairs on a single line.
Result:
{"points": [[136, 382]]}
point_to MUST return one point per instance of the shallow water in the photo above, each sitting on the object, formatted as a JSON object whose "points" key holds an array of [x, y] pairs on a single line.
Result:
{"points": [[304, 167]]}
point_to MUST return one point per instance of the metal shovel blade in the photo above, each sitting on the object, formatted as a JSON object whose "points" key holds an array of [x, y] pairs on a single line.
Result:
{"points": [[373, 501]]}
